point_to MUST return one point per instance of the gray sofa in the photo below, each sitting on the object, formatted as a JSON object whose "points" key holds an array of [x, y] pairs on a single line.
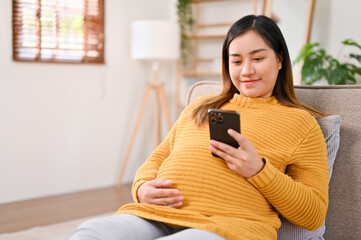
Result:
{"points": [[343, 219]]}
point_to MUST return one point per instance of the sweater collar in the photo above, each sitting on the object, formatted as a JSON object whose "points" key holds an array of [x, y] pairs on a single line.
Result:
{"points": [[252, 102]]}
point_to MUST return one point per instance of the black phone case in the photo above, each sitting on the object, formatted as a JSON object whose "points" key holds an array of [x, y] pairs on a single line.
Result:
{"points": [[219, 122]]}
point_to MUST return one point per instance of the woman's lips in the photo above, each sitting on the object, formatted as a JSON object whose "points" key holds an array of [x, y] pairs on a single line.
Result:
{"points": [[251, 81]]}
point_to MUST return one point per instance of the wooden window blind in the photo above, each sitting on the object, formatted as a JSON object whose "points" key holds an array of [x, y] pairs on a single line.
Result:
{"points": [[70, 31]]}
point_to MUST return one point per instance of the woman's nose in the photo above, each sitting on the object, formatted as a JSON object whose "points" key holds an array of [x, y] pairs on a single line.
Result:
{"points": [[247, 68]]}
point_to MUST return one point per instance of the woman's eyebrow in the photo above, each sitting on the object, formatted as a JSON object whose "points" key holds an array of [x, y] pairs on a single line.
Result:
{"points": [[258, 50], [252, 52]]}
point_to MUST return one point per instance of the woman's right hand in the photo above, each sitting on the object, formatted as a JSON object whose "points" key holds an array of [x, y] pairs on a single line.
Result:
{"points": [[158, 192]]}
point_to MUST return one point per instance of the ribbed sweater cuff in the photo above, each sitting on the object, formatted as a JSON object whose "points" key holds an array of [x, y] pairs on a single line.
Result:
{"points": [[135, 187], [264, 177]]}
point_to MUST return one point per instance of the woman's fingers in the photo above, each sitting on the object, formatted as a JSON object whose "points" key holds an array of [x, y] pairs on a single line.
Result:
{"points": [[222, 149], [243, 160], [158, 192], [176, 205], [227, 153], [165, 192], [158, 183], [242, 141], [176, 201], [159, 188]]}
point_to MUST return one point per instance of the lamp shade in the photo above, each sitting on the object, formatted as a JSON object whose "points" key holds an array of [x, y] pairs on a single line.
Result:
{"points": [[155, 40]]}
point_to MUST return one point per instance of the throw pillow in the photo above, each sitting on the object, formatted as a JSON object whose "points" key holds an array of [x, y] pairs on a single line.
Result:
{"points": [[330, 127]]}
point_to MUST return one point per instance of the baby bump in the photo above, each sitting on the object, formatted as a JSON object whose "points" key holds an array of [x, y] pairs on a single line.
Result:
{"points": [[208, 185]]}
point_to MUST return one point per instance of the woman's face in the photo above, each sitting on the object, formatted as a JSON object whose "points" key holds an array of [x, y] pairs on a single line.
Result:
{"points": [[253, 65]]}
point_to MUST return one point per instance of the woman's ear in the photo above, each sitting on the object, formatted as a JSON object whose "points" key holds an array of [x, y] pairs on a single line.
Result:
{"points": [[280, 60]]}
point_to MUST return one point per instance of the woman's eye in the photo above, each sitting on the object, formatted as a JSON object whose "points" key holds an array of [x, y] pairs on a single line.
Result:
{"points": [[236, 62], [258, 58]]}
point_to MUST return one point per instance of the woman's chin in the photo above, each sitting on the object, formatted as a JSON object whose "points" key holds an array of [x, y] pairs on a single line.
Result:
{"points": [[250, 94], [254, 93]]}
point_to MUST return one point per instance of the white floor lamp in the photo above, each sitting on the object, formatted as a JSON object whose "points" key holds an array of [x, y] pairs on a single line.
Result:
{"points": [[152, 40]]}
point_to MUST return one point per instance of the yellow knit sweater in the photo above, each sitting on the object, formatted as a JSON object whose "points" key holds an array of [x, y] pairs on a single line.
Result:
{"points": [[294, 181]]}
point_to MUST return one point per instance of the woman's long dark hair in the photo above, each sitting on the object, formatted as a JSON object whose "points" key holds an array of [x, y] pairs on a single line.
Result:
{"points": [[283, 90]]}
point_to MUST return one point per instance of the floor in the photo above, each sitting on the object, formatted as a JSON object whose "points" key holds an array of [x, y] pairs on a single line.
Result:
{"points": [[49, 210]]}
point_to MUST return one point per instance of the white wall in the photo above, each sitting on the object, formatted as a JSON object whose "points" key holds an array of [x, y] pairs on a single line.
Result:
{"points": [[337, 20], [345, 22], [64, 128], [334, 21]]}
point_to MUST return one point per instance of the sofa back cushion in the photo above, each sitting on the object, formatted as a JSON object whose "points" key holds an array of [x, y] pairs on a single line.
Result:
{"points": [[343, 220]]}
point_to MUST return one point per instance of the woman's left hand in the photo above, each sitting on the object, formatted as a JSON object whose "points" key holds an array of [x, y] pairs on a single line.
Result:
{"points": [[244, 160]]}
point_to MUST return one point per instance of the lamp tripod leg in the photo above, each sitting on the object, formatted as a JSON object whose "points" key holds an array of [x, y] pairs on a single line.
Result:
{"points": [[157, 119], [164, 105], [135, 131]]}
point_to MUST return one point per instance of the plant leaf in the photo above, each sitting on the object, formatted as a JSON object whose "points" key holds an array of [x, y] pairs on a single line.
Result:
{"points": [[350, 42], [317, 64], [340, 74], [306, 51], [356, 56], [354, 69], [310, 70]]}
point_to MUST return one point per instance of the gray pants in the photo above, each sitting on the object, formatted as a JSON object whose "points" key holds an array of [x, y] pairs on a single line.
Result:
{"points": [[130, 227]]}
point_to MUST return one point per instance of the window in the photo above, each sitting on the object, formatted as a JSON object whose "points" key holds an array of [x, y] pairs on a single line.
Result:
{"points": [[70, 31]]}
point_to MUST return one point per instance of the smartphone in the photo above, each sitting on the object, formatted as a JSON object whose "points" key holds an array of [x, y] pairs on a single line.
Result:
{"points": [[219, 122]]}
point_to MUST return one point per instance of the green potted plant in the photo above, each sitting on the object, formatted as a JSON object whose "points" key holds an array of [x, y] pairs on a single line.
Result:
{"points": [[317, 64], [186, 22]]}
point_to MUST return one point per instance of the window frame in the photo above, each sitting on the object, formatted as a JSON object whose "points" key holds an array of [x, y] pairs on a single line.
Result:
{"points": [[88, 34]]}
